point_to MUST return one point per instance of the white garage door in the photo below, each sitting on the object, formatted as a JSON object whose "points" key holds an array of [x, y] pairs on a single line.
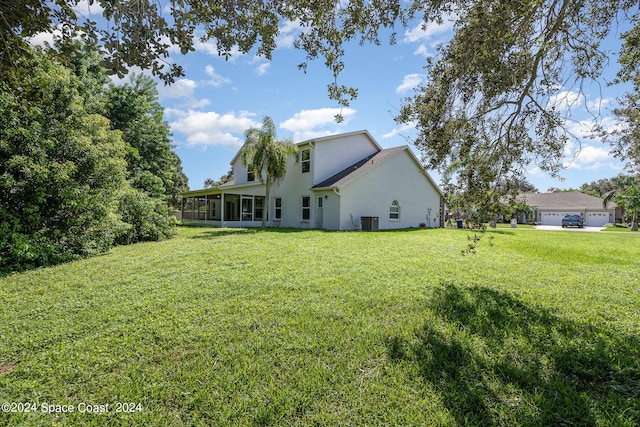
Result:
{"points": [[555, 218], [597, 219]]}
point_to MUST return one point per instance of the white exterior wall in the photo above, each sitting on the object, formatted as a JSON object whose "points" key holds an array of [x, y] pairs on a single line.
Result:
{"points": [[334, 155], [291, 189], [239, 172], [397, 178], [327, 217]]}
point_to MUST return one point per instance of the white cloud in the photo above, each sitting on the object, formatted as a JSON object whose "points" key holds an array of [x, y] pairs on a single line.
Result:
{"points": [[131, 70], [427, 31], [211, 48], [430, 35], [409, 82], [593, 155], [262, 68], [85, 9], [400, 131], [422, 51], [216, 79], [565, 100], [598, 104], [41, 38], [288, 33], [588, 157], [183, 88], [305, 124], [211, 128]]}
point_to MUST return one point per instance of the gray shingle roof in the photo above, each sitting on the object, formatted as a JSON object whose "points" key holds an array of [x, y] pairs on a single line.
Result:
{"points": [[563, 200], [358, 168]]}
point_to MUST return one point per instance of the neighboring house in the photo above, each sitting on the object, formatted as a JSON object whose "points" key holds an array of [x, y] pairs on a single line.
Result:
{"points": [[549, 208], [336, 182]]}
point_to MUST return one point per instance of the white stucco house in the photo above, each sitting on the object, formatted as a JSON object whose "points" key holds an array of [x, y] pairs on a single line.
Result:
{"points": [[339, 182]]}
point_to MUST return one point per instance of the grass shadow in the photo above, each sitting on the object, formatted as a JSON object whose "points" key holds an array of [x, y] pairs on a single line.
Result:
{"points": [[497, 361], [405, 230], [501, 231], [223, 232]]}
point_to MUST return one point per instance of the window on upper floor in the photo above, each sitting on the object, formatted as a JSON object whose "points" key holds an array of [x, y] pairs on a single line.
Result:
{"points": [[305, 160], [250, 177]]}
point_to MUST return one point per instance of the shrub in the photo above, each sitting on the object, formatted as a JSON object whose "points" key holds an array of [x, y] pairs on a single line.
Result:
{"points": [[146, 218]]}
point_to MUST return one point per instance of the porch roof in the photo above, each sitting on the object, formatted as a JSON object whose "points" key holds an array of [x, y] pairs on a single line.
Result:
{"points": [[202, 192]]}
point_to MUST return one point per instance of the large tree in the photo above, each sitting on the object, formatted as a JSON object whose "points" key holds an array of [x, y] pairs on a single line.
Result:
{"points": [[598, 188], [61, 171], [143, 32], [266, 156], [154, 167], [492, 101], [70, 185], [626, 139], [626, 195]]}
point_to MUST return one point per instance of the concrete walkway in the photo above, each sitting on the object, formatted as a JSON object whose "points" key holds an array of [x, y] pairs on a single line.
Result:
{"points": [[559, 228]]}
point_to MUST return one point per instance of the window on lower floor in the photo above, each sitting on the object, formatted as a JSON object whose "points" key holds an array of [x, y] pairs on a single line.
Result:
{"points": [[278, 212], [394, 211], [306, 208], [247, 208], [258, 208]]}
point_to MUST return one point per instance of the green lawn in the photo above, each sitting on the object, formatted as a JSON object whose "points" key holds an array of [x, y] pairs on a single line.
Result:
{"points": [[284, 327]]}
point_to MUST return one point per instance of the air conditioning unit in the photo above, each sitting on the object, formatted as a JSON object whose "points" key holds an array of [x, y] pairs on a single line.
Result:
{"points": [[369, 223]]}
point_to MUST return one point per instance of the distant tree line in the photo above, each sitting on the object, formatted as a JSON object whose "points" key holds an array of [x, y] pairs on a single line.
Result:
{"points": [[84, 164], [210, 182]]}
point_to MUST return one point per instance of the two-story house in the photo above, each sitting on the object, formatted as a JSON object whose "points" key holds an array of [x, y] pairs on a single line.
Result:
{"points": [[335, 183]]}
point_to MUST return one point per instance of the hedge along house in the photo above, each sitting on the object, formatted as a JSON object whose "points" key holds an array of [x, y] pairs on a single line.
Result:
{"points": [[334, 183]]}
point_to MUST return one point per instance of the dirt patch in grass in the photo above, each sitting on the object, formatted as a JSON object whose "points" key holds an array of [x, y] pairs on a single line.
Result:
{"points": [[5, 368]]}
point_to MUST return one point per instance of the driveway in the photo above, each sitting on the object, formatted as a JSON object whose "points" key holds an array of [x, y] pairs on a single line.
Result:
{"points": [[559, 228]]}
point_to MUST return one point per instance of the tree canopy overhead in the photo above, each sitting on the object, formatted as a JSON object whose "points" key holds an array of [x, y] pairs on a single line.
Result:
{"points": [[489, 108]]}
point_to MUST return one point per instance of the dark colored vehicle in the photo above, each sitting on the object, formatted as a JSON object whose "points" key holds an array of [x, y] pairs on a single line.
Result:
{"points": [[572, 221]]}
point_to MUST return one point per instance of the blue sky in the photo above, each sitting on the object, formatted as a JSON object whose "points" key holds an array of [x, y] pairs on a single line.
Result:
{"points": [[217, 100]]}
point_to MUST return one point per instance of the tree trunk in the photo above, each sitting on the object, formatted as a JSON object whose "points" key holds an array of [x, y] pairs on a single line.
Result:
{"points": [[265, 208], [634, 222]]}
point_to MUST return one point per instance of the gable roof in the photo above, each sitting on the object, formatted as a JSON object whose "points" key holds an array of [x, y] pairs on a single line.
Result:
{"points": [[343, 135], [321, 139], [361, 167], [358, 168], [563, 200]]}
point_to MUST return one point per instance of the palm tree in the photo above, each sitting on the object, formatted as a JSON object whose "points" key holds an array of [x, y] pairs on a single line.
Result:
{"points": [[626, 195], [266, 157]]}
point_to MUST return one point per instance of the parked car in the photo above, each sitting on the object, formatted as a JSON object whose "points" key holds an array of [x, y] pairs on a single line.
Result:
{"points": [[572, 221]]}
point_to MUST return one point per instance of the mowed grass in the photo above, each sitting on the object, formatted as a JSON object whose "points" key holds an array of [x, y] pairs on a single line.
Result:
{"points": [[285, 327]]}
